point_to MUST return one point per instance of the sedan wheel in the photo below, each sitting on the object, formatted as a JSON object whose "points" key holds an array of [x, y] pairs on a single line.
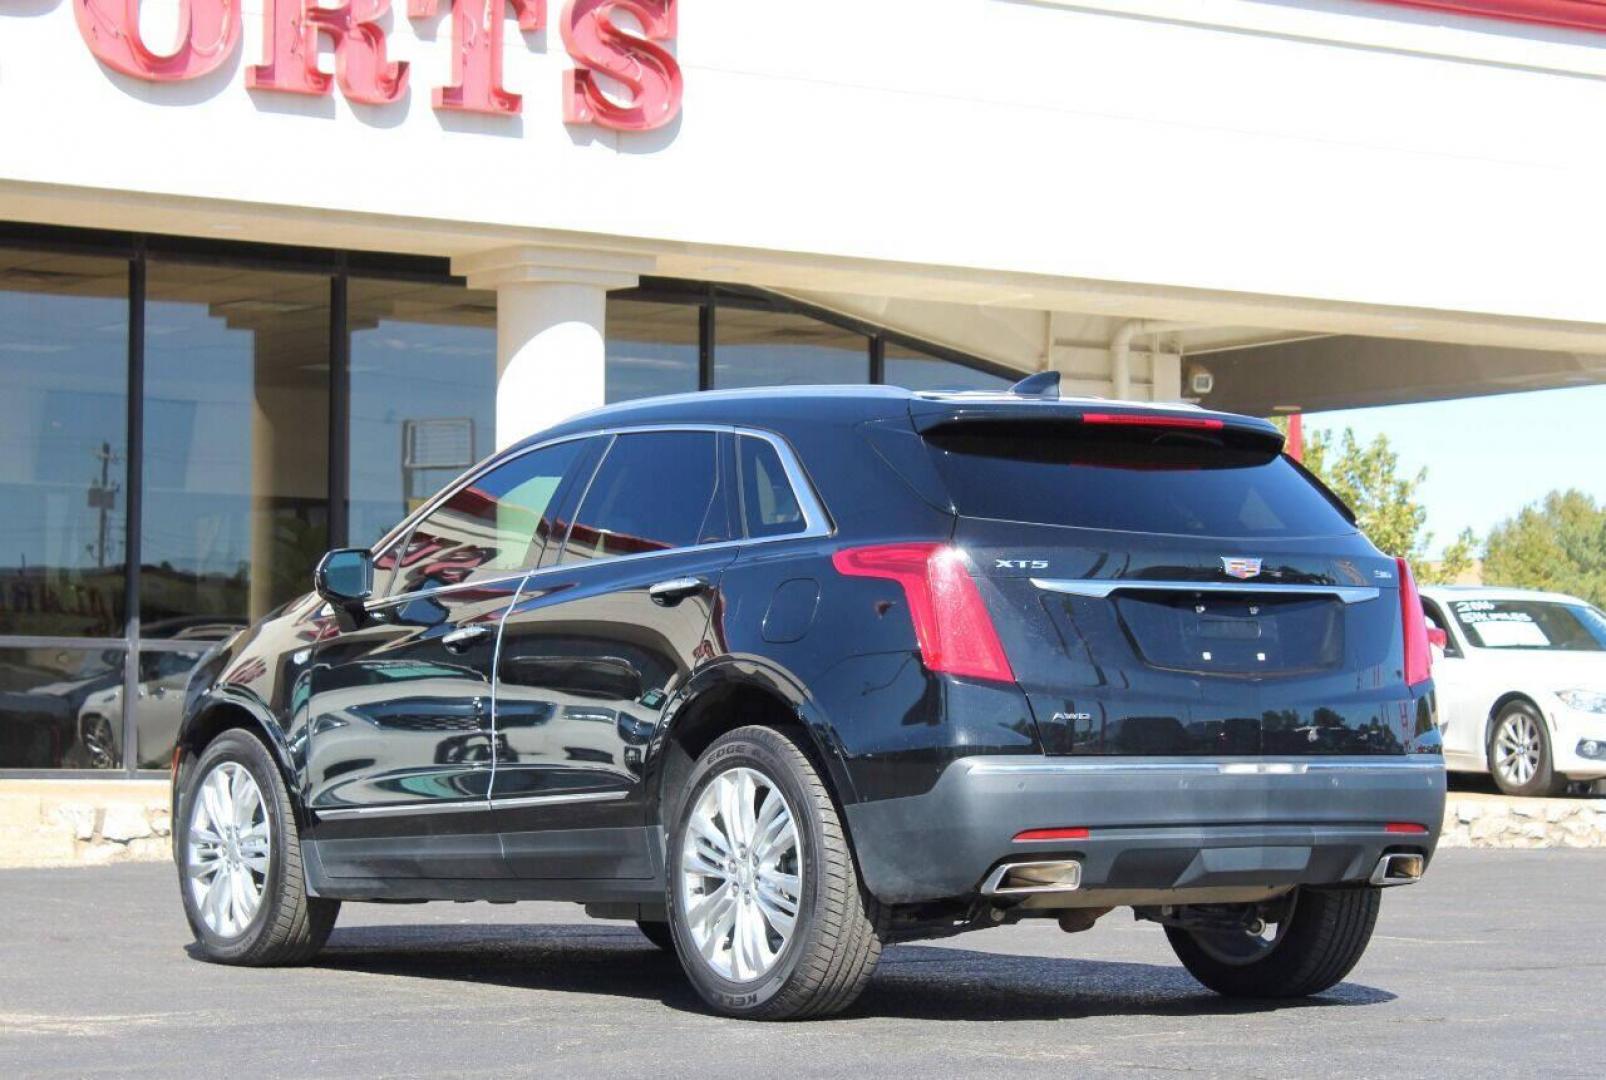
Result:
{"points": [[1519, 753]]}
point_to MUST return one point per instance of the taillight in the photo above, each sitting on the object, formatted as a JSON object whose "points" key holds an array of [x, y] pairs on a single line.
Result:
{"points": [[1418, 657], [952, 627]]}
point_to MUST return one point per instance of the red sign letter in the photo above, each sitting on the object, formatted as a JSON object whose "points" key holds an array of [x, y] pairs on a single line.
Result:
{"points": [[211, 29], [643, 67], [1582, 14], [477, 51], [360, 65]]}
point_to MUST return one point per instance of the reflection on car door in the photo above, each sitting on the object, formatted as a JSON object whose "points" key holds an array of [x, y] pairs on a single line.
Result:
{"points": [[400, 731], [595, 646]]}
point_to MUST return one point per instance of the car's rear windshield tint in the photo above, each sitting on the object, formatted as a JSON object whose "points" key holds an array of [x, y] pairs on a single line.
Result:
{"points": [[1132, 479]]}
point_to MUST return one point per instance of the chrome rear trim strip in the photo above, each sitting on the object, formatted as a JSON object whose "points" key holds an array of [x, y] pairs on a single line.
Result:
{"points": [[1099, 588], [468, 805], [1071, 766]]}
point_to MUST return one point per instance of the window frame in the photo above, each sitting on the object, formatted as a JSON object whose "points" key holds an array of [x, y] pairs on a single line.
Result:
{"points": [[398, 538], [818, 522]]}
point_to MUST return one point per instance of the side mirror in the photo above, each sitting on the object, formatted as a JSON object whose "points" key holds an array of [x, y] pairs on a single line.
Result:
{"points": [[345, 578], [1439, 640]]}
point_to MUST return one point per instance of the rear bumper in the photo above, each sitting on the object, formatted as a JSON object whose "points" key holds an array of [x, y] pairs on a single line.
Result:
{"points": [[1153, 823]]}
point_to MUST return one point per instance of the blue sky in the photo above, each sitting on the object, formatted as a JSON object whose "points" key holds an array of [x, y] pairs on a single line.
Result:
{"points": [[1486, 457]]}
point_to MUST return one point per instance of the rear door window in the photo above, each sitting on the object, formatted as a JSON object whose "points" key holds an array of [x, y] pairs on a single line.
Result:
{"points": [[654, 491], [1132, 479]]}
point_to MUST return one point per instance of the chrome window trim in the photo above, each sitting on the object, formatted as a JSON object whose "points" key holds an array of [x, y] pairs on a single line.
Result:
{"points": [[467, 805], [1425, 763], [818, 522], [1100, 588]]}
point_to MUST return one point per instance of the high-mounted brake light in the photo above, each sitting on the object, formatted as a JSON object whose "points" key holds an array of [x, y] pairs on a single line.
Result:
{"points": [[1418, 656], [1197, 423], [954, 631]]}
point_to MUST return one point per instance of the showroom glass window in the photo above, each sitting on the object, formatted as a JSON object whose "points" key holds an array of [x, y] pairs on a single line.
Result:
{"points": [[916, 370], [767, 348], [63, 453], [651, 349], [236, 469], [423, 395]]}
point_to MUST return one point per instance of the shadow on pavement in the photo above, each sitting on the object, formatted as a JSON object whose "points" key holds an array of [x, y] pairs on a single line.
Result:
{"points": [[923, 981]]}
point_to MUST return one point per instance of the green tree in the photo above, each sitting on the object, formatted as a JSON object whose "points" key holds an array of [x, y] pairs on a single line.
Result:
{"points": [[1455, 561], [1558, 543], [1368, 479]]}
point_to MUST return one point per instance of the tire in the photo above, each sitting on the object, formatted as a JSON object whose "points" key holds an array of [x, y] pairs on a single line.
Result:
{"points": [[1519, 753], [821, 964], [1324, 937], [285, 925], [658, 933]]}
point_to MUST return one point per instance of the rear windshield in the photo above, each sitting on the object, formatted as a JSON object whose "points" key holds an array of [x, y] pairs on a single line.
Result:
{"points": [[1131, 479]]}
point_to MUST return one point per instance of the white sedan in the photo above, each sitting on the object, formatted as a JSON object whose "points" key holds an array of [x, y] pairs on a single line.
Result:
{"points": [[1521, 680]]}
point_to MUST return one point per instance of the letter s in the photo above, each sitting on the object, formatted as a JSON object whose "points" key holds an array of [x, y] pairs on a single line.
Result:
{"points": [[645, 68]]}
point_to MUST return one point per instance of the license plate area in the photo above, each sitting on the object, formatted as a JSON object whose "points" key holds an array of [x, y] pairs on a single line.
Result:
{"points": [[1241, 634]]}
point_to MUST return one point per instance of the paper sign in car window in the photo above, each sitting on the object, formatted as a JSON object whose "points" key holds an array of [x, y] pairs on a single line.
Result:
{"points": [[1510, 634]]}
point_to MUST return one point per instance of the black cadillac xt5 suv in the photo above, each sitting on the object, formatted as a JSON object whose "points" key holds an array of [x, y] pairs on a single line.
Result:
{"points": [[786, 675]]}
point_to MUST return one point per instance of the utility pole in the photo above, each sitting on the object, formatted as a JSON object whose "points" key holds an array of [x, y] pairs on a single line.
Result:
{"points": [[103, 497]]}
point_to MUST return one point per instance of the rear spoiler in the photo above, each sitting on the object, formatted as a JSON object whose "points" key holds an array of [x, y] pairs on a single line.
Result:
{"points": [[930, 412]]}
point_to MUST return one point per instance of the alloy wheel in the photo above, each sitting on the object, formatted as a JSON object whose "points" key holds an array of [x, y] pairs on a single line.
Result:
{"points": [[1517, 748], [228, 849], [741, 874]]}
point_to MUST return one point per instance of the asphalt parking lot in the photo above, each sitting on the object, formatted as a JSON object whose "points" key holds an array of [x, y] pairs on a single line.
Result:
{"points": [[1495, 965]]}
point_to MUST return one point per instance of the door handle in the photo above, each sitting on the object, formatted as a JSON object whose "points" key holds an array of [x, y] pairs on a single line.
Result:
{"points": [[671, 592], [460, 639]]}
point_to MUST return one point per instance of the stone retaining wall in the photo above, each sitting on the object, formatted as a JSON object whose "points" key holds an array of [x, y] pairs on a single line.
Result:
{"points": [[83, 823], [1495, 821], [86, 823]]}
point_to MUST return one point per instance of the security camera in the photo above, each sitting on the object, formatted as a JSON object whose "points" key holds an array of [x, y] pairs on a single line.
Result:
{"points": [[1200, 381]]}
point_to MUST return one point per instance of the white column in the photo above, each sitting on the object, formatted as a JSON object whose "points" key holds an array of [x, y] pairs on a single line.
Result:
{"points": [[551, 308]]}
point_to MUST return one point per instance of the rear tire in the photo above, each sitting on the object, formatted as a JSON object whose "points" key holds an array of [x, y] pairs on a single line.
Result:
{"points": [[239, 860], [1520, 759], [1327, 932], [769, 916]]}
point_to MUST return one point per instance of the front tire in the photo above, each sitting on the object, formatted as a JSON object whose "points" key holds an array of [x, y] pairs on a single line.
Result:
{"points": [[239, 856], [769, 917], [1520, 759], [1322, 936]]}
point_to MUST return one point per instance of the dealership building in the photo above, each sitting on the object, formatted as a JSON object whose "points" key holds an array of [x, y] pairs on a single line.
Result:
{"points": [[272, 272]]}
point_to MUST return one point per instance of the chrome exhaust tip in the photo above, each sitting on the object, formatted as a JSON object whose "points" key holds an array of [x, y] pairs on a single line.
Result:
{"points": [[1031, 878], [1399, 868]]}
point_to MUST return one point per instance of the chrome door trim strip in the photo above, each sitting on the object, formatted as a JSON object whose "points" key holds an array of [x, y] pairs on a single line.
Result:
{"points": [[555, 800], [1100, 588], [467, 805], [1067, 766]]}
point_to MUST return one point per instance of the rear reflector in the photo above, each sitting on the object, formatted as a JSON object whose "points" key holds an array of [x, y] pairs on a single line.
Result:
{"points": [[1197, 423], [1418, 656], [1052, 834], [952, 627], [1405, 827]]}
